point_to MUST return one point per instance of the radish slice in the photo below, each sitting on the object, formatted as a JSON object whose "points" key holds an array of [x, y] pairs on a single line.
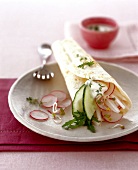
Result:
{"points": [[111, 104], [50, 110], [39, 115], [111, 116], [98, 113], [118, 94], [54, 108], [117, 100], [59, 94], [110, 89], [48, 100], [57, 119], [100, 103], [64, 103]]}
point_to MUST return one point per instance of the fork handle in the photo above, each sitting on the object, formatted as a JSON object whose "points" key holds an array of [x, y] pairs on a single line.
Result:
{"points": [[44, 62]]}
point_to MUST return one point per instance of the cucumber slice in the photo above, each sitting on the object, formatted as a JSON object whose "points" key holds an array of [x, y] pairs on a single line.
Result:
{"points": [[88, 102], [77, 104]]}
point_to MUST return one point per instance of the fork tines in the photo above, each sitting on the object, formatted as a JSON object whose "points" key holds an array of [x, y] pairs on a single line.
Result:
{"points": [[43, 76]]}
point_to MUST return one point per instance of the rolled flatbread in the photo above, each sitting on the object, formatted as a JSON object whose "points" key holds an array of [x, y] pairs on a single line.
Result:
{"points": [[79, 68]]}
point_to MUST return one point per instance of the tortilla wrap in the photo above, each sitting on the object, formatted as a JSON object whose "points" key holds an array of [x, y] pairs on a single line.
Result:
{"points": [[70, 56]]}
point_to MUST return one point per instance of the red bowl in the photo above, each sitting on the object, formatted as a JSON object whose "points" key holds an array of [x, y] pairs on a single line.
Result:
{"points": [[99, 32]]}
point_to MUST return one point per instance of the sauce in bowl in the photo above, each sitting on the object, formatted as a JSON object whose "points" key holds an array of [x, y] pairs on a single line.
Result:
{"points": [[99, 32], [100, 27]]}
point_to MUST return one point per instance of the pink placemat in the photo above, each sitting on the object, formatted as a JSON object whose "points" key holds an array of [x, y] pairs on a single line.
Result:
{"points": [[16, 137], [123, 49]]}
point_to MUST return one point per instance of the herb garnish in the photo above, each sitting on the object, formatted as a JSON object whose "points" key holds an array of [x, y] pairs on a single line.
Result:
{"points": [[83, 58], [80, 119], [33, 101], [62, 112], [99, 90], [90, 63], [93, 27]]}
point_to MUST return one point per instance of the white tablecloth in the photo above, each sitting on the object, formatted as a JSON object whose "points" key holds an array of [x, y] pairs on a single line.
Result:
{"points": [[25, 24]]}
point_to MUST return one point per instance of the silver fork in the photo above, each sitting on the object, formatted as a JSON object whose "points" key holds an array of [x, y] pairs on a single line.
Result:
{"points": [[43, 73]]}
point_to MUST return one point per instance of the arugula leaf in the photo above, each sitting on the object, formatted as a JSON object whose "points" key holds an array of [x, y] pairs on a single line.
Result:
{"points": [[80, 119], [79, 114], [68, 124], [90, 126], [72, 124], [95, 119]]}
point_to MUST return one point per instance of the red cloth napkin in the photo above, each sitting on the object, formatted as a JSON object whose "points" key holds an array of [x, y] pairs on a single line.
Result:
{"points": [[16, 137]]}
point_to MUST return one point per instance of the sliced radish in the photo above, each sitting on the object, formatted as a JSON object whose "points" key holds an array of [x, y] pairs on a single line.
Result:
{"points": [[125, 104], [118, 101], [118, 94], [111, 104], [50, 110], [54, 107], [57, 119], [39, 115], [111, 116], [104, 86], [48, 100], [59, 94], [98, 114], [110, 90], [101, 104], [64, 103]]}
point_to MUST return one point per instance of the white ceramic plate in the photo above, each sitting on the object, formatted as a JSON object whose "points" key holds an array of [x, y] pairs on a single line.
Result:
{"points": [[27, 86]]}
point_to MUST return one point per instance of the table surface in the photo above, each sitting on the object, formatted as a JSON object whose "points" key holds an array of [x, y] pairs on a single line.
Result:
{"points": [[25, 24]]}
